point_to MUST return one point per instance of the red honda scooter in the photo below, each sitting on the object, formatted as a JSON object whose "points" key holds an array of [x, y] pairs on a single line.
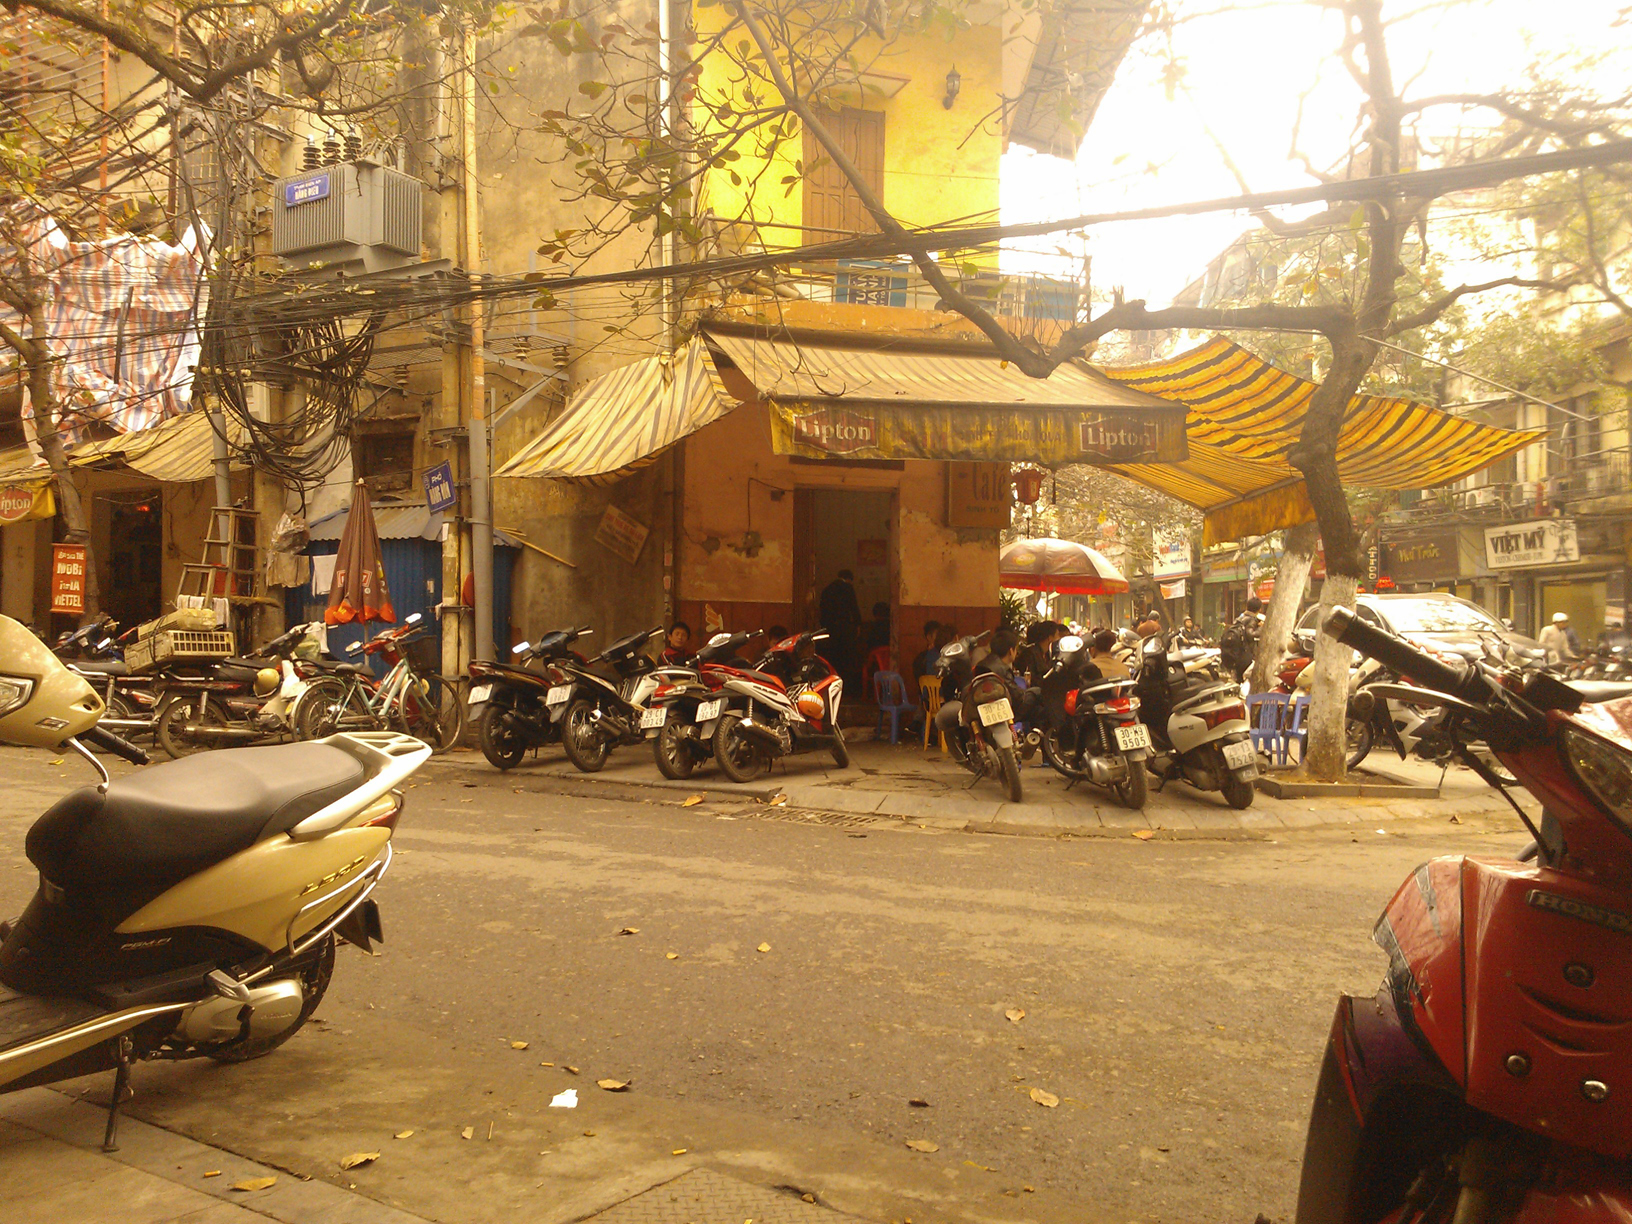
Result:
{"points": [[1489, 1080], [789, 704]]}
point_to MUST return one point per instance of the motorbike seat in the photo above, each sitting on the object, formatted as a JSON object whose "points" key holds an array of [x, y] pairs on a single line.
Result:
{"points": [[1602, 690], [154, 828], [100, 667]]}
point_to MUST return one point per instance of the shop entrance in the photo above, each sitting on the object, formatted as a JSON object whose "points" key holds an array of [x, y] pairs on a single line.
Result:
{"points": [[130, 545], [845, 529], [1583, 600]]}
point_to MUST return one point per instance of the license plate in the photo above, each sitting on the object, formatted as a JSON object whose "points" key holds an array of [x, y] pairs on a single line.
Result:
{"points": [[1239, 756], [994, 712], [655, 717], [1134, 735], [707, 711], [480, 694], [558, 695]]}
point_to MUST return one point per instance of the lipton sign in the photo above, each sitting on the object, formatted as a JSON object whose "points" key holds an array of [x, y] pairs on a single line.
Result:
{"points": [[19, 503], [838, 431]]}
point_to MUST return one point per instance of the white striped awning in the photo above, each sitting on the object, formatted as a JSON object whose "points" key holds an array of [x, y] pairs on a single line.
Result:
{"points": [[625, 419]]}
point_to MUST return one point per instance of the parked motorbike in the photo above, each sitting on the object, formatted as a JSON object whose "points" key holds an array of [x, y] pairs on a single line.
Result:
{"points": [[603, 701], [1483, 1082], [189, 910], [1092, 731], [131, 701], [788, 705], [235, 700], [695, 703], [510, 702], [977, 717], [1197, 721], [1410, 730]]}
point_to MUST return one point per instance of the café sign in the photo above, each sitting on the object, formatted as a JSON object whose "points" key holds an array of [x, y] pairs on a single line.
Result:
{"points": [[1425, 557], [1544, 542]]}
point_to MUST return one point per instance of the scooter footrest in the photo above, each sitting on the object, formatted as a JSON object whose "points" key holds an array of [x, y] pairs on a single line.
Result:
{"points": [[27, 1017]]}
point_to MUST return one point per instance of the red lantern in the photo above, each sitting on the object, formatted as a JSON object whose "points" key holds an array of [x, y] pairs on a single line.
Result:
{"points": [[1028, 485]]}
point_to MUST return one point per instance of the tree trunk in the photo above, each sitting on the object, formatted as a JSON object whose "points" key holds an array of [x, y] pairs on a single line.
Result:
{"points": [[69, 502], [1328, 706], [1297, 559]]}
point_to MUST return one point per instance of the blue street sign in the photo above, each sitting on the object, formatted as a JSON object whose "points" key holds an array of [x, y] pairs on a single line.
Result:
{"points": [[439, 491], [306, 190]]}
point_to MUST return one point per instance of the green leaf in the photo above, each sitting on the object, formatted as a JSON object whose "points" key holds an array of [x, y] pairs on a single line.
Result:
{"points": [[1357, 218], [593, 88]]}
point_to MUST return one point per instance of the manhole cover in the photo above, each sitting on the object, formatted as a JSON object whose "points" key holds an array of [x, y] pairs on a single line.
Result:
{"points": [[705, 1197]]}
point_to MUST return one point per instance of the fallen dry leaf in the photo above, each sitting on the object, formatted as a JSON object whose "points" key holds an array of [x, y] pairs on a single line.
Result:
{"points": [[672, 955], [918, 1103], [404, 1134], [58, 761], [468, 1132], [569, 1070], [612, 1085], [1015, 1014], [518, 1045], [764, 948], [923, 1145], [628, 931], [1456, 819], [253, 1183], [358, 1158], [1144, 834], [780, 801], [1046, 1099], [691, 801], [213, 1173]]}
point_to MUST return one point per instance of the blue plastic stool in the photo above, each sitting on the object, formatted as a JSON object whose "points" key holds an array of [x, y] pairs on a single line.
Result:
{"points": [[1268, 723], [890, 692]]}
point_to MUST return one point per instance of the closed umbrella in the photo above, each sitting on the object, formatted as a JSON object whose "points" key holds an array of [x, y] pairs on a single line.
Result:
{"points": [[1061, 566], [358, 591]]}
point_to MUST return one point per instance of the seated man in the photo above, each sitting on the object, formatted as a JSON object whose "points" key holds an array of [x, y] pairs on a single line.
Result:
{"points": [[1099, 654], [1026, 702]]}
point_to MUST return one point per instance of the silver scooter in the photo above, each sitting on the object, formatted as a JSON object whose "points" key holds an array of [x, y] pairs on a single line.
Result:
{"points": [[1198, 723]]}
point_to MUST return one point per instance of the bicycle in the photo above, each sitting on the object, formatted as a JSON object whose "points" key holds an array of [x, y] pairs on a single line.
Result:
{"points": [[424, 706]]}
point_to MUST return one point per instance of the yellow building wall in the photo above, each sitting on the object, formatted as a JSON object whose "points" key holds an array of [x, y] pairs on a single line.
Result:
{"points": [[934, 168]]}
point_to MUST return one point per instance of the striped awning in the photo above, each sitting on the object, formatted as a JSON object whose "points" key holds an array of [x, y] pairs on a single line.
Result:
{"points": [[625, 419], [1246, 414], [180, 450]]}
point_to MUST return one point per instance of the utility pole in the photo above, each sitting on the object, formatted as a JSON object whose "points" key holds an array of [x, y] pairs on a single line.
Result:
{"points": [[481, 501]]}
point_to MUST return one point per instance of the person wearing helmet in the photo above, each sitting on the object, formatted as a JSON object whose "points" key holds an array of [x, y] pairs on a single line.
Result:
{"points": [[1559, 640]]}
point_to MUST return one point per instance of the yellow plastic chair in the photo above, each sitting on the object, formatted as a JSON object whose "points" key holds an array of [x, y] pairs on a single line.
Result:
{"points": [[929, 692]]}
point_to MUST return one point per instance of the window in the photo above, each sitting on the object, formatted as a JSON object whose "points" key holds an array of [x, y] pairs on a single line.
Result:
{"points": [[832, 208], [385, 460]]}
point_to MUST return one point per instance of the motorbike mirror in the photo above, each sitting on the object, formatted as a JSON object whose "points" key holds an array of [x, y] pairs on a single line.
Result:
{"points": [[521, 648], [42, 702], [1069, 644], [414, 619]]}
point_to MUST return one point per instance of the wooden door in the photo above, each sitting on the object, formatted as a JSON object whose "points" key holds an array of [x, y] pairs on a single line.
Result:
{"points": [[832, 208]]}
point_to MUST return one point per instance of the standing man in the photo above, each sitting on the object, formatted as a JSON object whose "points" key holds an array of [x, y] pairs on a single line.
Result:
{"points": [[1238, 644], [840, 614], [1559, 640]]}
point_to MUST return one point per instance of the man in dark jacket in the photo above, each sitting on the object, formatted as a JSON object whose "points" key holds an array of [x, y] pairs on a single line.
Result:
{"points": [[840, 614]]}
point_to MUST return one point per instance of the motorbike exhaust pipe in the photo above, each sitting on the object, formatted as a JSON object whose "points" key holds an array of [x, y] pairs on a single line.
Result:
{"points": [[610, 723], [761, 733], [220, 732]]}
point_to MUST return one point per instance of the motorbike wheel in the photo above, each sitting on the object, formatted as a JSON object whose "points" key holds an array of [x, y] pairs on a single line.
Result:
{"points": [[502, 746], [118, 707], [314, 981], [171, 731], [1360, 740], [1133, 792], [586, 747], [326, 706], [1237, 794], [1010, 765], [739, 757], [841, 750], [672, 751]]}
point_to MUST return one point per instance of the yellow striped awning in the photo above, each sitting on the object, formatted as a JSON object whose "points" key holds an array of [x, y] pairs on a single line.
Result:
{"points": [[179, 450], [625, 419], [1246, 414]]}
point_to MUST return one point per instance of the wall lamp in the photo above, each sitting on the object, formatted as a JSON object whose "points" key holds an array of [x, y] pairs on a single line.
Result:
{"points": [[954, 82]]}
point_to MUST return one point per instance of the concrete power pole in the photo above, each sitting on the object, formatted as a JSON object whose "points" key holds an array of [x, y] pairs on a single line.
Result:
{"points": [[481, 501]]}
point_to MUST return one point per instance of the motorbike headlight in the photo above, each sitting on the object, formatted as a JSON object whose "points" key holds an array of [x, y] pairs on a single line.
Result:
{"points": [[14, 693], [1605, 770]]}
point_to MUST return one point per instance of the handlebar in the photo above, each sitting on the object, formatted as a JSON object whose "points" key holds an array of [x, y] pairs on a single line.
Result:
{"points": [[100, 737], [1346, 627]]}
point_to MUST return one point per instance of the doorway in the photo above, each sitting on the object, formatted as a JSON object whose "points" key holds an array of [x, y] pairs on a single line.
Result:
{"points": [[844, 529], [130, 546]]}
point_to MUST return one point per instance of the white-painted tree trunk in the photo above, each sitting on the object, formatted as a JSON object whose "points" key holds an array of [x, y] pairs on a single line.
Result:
{"points": [[1328, 706], [1291, 577]]}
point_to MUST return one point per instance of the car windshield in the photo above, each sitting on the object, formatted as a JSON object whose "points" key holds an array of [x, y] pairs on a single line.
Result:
{"points": [[1437, 616]]}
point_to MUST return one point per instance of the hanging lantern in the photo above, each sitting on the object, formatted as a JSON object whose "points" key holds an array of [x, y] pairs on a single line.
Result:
{"points": [[1028, 485]]}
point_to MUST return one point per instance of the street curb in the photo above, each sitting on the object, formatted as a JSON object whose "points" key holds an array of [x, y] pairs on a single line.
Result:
{"points": [[590, 786]]}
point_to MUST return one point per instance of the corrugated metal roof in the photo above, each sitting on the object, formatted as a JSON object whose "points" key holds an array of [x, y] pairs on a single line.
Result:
{"points": [[1245, 414], [181, 449], [624, 419], [396, 521]]}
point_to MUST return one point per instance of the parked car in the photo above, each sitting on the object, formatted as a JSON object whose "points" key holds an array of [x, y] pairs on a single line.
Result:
{"points": [[1433, 621]]}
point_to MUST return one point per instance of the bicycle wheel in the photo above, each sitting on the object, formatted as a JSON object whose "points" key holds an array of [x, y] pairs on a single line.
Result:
{"points": [[428, 716], [331, 704]]}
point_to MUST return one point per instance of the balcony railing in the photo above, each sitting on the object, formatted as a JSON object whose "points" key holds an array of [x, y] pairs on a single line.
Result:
{"points": [[899, 283]]}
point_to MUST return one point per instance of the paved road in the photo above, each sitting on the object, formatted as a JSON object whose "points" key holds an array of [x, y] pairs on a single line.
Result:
{"points": [[1176, 994]]}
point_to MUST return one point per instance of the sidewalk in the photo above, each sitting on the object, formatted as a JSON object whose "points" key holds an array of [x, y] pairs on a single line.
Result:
{"points": [[906, 782], [53, 1168]]}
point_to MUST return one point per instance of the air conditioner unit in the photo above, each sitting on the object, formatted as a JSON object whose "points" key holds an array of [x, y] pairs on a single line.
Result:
{"points": [[348, 213], [1487, 496]]}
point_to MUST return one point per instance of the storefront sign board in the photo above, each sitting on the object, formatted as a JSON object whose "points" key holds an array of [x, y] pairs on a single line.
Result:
{"points": [[1543, 542], [622, 534], [19, 503], [68, 578], [977, 495], [1428, 556]]}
